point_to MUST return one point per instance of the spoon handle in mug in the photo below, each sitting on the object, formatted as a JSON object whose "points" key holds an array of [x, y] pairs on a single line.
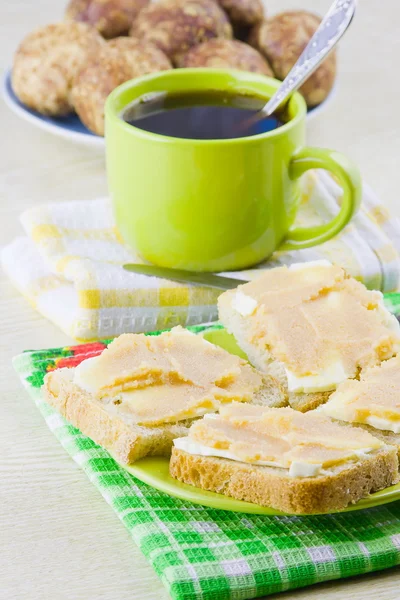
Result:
{"points": [[329, 32]]}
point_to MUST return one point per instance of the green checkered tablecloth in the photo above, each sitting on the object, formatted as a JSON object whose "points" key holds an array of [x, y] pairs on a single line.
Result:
{"points": [[206, 554]]}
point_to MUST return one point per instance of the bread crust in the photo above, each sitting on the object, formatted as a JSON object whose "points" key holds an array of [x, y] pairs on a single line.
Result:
{"points": [[126, 441], [267, 486]]}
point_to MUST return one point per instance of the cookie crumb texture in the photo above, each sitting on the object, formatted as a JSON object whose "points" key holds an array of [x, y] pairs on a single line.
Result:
{"points": [[175, 26], [226, 54], [243, 12], [110, 17], [47, 62], [282, 39], [117, 61]]}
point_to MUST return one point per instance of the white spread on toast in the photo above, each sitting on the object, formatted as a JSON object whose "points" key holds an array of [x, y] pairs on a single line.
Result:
{"points": [[303, 444], [373, 400], [243, 304], [167, 378], [322, 382], [321, 324]]}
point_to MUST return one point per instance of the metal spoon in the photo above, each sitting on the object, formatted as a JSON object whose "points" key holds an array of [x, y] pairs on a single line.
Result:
{"points": [[329, 32]]}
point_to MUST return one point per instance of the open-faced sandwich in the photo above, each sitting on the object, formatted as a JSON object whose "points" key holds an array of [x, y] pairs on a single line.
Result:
{"points": [[317, 338], [144, 391], [372, 403], [311, 326], [279, 457]]}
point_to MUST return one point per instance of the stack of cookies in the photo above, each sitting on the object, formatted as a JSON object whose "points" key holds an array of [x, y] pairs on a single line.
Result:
{"points": [[74, 65]]}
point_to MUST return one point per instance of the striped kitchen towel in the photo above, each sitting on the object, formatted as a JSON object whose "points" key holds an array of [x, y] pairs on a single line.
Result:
{"points": [[69, 264]]}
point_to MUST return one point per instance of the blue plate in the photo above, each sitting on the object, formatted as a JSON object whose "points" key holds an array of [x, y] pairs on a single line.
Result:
{"points": [[71, 127]]}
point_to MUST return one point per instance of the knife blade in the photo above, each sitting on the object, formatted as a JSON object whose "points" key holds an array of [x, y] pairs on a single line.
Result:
{"points": [[196, 278]]}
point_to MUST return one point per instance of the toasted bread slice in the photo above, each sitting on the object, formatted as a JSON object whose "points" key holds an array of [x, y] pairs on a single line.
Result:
{"points": [[112, 428], [262, 359], [270, 486], [108, 428]]}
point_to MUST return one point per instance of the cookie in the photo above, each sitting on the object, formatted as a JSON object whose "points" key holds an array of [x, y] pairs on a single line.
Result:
{"points": [[282, 39], [226, 54], [46, 63], [177, 25], [118, 61], [242, 13], [110, 17]]}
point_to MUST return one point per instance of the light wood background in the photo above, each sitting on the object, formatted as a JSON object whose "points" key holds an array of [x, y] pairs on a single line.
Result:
{"points": [[58, 538]]}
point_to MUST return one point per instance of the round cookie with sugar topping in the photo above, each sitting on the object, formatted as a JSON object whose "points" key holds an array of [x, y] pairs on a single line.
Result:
{"points": [[177, 25], [46, 63], [226, 54], [110, 17], [118, 61], [282, 39], [243, 12]]}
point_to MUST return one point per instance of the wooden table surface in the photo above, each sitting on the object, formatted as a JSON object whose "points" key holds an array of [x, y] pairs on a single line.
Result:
{"points": [[59, 539]]}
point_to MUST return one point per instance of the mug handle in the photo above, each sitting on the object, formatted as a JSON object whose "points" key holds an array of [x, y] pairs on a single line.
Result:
{"points": [[349, 179]]}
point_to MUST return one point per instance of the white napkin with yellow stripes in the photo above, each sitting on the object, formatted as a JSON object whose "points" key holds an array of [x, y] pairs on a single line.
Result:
{"points": [[69, 264]]}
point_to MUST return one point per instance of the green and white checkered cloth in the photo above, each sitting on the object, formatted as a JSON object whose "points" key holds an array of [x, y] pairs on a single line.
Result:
{"points": [[206, 554]]}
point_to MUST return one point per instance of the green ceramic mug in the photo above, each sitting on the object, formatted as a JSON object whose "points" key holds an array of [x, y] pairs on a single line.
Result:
{"points": [[215, 205]]}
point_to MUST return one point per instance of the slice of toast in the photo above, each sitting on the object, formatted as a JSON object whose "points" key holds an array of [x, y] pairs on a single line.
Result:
{"points": [[262, 359], [310, 325], [111, 427], [104, 424], [270, 486]]}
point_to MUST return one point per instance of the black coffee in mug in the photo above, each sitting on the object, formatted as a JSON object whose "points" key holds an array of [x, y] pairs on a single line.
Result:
{"points": [[200, 115]]}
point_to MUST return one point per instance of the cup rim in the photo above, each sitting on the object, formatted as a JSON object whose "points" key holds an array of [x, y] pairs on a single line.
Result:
{"points": [[113, 115]]}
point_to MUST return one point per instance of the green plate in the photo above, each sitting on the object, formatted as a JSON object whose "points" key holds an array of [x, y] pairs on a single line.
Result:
{"points": [[154, 470]]}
